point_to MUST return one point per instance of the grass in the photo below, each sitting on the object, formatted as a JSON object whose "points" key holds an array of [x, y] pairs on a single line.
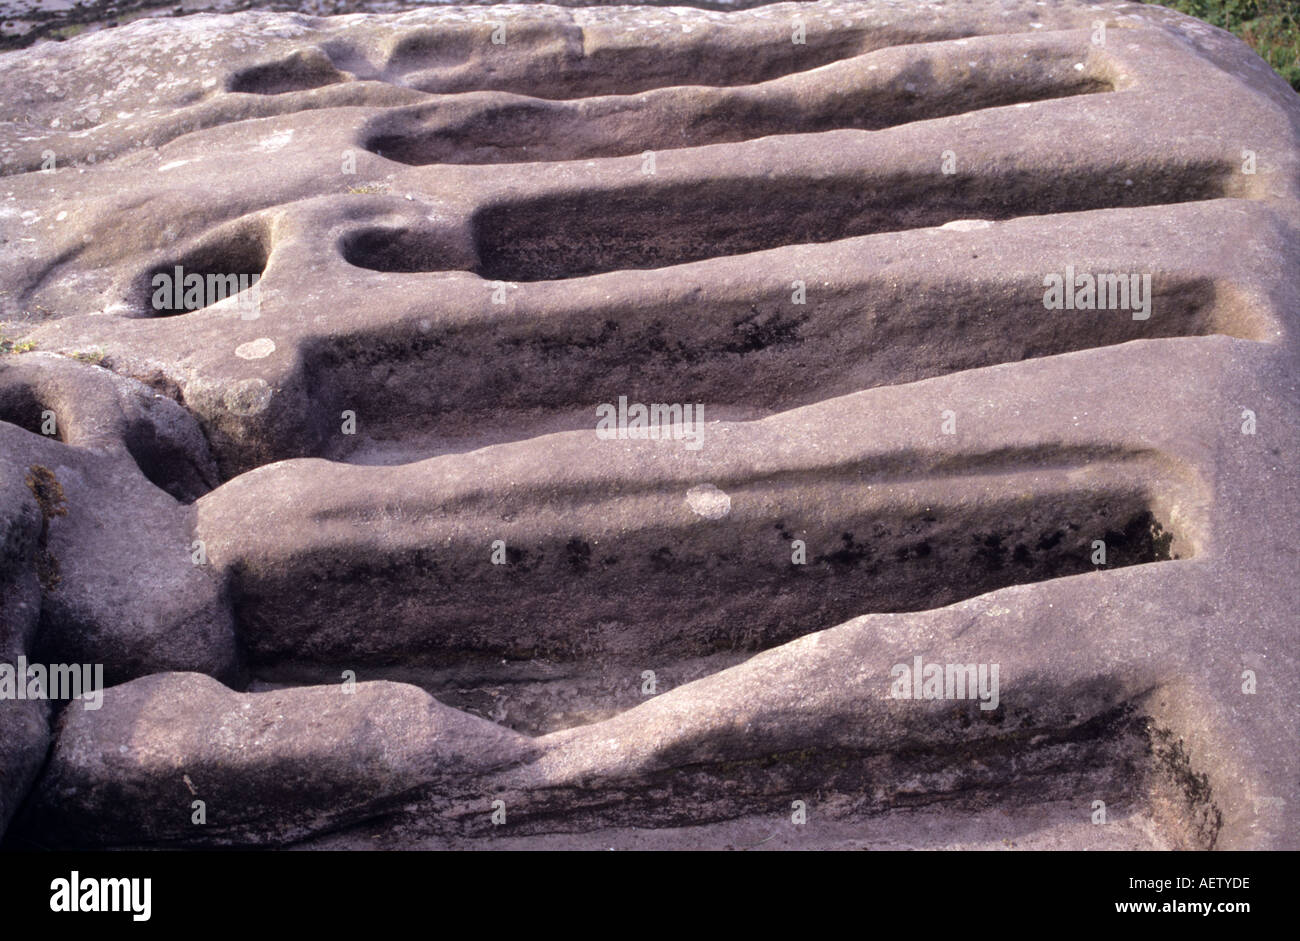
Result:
{"points": [[13, 346], [67, 32], [94, 358], [1270, 27]]}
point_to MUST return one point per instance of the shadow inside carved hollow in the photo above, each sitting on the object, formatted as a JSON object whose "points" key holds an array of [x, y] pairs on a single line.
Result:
{"points": [[559, 66], [538, 689], [299, 71], [21, 405], [228, 265], [532, 627], [652, 225], [743, 355], [648, 225], [963, 759], [527, 130], [169, 464], [393, 249]]}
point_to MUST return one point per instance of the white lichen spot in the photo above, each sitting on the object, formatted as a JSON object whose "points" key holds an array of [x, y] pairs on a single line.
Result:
{"points": [[966, 225], [256, 349], [708, 501], [276, 141]]}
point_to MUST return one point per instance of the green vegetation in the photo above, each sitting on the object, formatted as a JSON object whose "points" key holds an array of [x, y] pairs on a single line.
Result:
{"points": [[67, 32], [94, 358], [47, 490], [13, 346], [1270, 27]]}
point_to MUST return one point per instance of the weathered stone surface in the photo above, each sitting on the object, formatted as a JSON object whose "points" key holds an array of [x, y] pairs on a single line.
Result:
{"points": [[24, 731], [625, 202], [275, 766], [114, 560]]}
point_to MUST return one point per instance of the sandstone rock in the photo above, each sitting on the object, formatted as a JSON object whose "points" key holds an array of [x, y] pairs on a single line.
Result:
{"points": [[115, 560], [273, 766], [838, 254], [24, 725]]}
